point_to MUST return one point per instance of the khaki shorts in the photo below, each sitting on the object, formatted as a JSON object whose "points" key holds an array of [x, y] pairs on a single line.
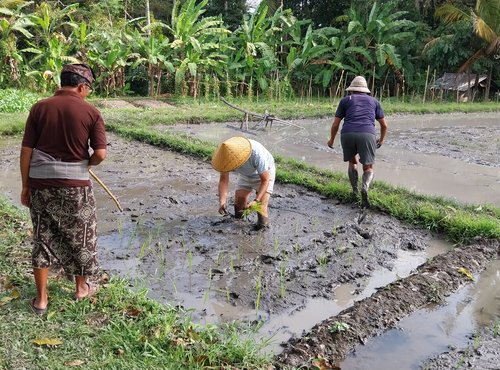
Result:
{"points": [[253, 183]]}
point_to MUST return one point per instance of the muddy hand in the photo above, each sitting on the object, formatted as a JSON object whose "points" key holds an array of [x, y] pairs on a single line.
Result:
{"points": [[379, 143], [223, 211]]}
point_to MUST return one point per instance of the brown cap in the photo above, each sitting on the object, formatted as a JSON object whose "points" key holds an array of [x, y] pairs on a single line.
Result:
{"points": [[231, 154], [81, 70]]}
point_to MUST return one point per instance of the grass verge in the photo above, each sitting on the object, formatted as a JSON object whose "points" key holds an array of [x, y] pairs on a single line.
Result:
{"points": [[460, 223], [119, 329]]}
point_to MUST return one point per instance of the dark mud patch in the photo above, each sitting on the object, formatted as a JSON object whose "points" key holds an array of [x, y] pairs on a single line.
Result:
{"points": [[333, 339]]}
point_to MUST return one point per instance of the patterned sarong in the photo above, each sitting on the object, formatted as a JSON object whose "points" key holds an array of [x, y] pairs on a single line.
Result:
{"points": [[64, 229]]}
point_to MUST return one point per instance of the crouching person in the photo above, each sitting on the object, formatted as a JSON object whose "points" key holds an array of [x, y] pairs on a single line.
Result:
{"points": [[256, 171]]}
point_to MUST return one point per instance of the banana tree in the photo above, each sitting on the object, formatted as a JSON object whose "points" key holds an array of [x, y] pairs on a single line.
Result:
{"points": [[195, 41], [153, 49], [110, 54], [13, 23], [256, 43], [379, 33], [52, 49]]}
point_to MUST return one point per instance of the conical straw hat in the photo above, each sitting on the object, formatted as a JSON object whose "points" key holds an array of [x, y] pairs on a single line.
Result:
{"points": [[231, 154]]}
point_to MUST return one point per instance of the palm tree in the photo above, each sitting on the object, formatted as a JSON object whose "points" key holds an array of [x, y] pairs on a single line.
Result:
{"points": [[485, 20]]}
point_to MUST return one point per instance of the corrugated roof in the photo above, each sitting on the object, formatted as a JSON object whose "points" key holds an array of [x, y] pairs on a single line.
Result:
{"points": [[460, 82]]}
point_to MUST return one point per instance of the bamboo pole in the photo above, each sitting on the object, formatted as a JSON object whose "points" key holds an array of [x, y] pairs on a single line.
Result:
{"points": [[426, 80], [106, 189]]}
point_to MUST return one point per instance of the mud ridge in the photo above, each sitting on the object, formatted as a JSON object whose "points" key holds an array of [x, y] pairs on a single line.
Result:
{"points": [[374, 315]]}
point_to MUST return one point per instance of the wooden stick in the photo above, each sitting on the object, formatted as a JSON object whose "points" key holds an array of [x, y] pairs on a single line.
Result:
{"points": [[106, 189]]}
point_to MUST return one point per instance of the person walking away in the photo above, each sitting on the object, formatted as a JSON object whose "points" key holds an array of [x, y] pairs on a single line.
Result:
{"points": [[54, 164], [359, 111], [256, 169]]}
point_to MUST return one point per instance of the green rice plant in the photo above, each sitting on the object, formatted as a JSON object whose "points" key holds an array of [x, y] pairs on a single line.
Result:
{"points": [[258, 288], [297, 248], [220, 256], [477, 341], [496, 327], [145, 245], [183, 244], [276, 247], [341, 249], [254, 208], [334, 229], [322, 260], [231, 264], [133, 235], [259, 240], [350, 257], [338, 327], [190, 261]]}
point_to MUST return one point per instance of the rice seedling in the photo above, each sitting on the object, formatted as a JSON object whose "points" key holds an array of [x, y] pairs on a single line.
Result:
{"points": [[120, 228], [231, 264], [220, 256], [255, 207], [322, 259], [133, 236], [190, 261], [334, 229], [276, 247], [496, 327], [338, 326], [259, 240], [477, 341], [350, 257], [315, 223], [258, 288], [145, 244], [341, 249], [297, 248]]}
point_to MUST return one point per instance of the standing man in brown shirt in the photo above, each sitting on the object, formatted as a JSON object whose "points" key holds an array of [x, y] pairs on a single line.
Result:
{"points": [[56, 187]]}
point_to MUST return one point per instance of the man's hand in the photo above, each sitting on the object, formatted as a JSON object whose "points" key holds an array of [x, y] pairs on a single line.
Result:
{"points": [[25, 197], [252, 204], [330, 143], [222, 210], [379, 143]]}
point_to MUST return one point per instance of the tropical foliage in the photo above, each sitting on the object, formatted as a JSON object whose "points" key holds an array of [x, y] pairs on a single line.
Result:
{"points": [[199, 50]]}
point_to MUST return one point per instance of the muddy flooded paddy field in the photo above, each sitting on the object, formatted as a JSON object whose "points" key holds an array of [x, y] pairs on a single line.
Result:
{"points": [[318, 260]]}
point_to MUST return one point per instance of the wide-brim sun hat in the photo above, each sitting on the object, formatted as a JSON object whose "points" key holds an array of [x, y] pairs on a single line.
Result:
{"points": [[231, 154], [358, 84]]}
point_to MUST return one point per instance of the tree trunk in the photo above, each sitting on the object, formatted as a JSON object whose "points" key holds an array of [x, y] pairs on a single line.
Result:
{"points": [[488, 85]]}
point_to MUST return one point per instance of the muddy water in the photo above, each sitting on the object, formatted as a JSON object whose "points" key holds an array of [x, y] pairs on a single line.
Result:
{"points": [[435, 329], [449, 155]]}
